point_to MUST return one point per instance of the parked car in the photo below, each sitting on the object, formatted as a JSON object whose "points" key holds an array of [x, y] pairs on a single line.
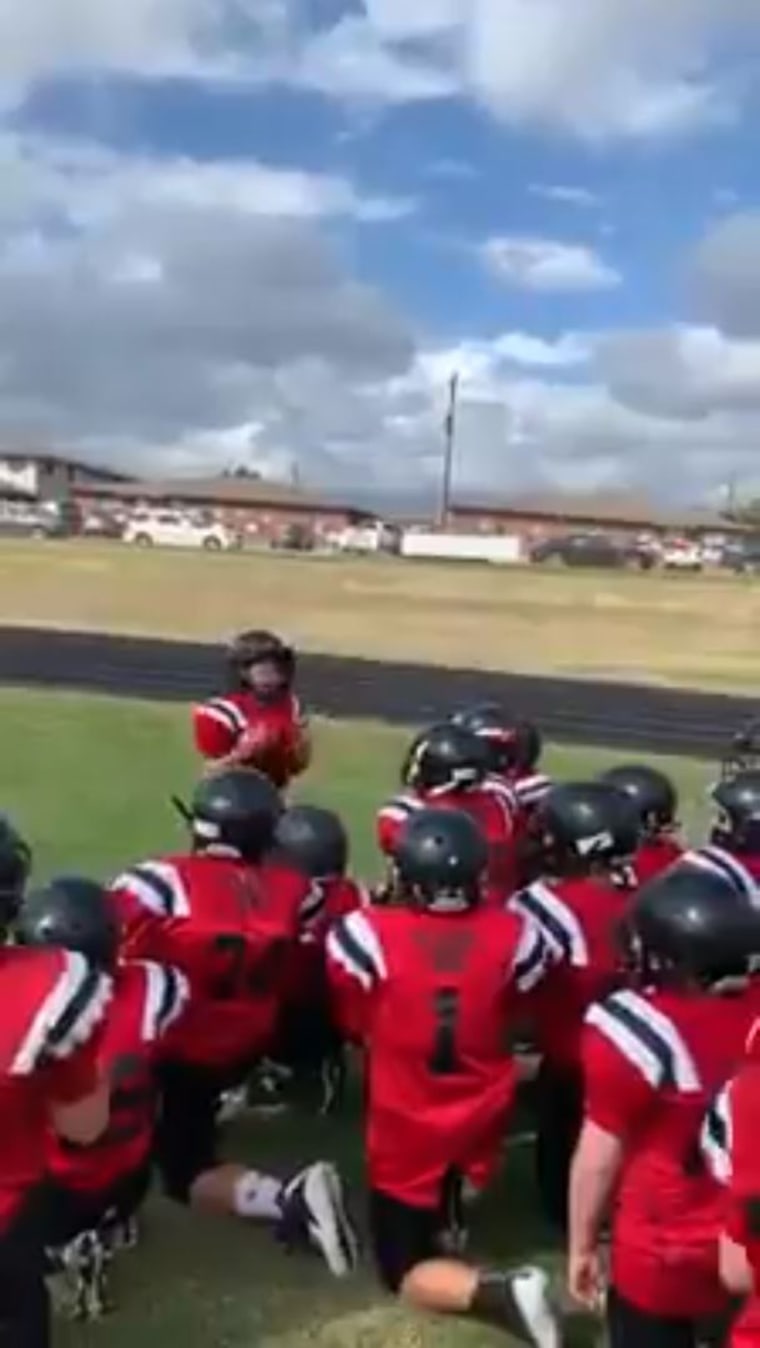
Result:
{"points": [[592, 550], [742, 556], [172, 529], [681, 554], [19, 519]]}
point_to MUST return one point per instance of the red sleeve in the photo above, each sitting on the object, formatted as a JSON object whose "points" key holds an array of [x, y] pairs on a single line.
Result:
{"points": [[387, 828], [74, 1078], [350, 987], [618, 1098], [213, 737]]}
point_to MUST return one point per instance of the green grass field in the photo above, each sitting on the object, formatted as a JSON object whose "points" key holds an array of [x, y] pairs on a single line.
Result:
{"points": [[88, 779]]}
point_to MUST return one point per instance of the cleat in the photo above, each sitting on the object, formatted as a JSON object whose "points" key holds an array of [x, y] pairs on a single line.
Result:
{"points": [[313, 1213], [530, 1316]]}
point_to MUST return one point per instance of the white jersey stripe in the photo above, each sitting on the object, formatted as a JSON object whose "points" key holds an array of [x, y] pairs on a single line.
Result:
{"points": [[645, 1036], [628, 1044], [221, 708], [353, 945], [158, 886], [561, 927], [727, 866], [716, 1138], [531, 959], [167, 994], [68, 1016], [685, 1073]]}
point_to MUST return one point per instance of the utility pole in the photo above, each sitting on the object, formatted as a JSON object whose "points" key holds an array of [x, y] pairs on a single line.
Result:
{"points": [[449, 440]]}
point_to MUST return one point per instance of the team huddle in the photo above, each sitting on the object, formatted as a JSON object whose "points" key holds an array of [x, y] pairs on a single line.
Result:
{"points": [[557, 938]]}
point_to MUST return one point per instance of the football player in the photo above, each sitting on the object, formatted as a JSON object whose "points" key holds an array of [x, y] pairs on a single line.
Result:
{"points": [[729, 1150], [514, 750], [429, 985], [447, 767], [587, 834], [314, 842], [228, 917], [98, 1190], [656, 799], [654, 1056], [259, 721], [54, 1005], [734, 847]]}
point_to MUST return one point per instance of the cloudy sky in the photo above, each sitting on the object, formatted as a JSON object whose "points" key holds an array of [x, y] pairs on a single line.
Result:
{"points": [[269, 230]]}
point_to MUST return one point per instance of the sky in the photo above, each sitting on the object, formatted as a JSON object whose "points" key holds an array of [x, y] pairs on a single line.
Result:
{"points": [[267, 232]]}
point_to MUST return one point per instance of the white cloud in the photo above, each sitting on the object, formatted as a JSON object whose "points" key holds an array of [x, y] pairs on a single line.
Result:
{"points": [[625, 68], [725, 275], [566, 195], [547, 265], [682, 372]]}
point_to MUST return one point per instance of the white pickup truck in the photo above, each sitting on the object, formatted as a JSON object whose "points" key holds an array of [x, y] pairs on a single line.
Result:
{"points": [[680, 554], [172, 529]]}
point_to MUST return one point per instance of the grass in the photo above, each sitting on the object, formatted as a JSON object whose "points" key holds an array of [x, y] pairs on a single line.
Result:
{"points": [[88, 779], [695, 631]]}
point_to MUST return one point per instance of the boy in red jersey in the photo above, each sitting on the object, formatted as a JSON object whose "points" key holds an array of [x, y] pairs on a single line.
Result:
{"points": [[54, 1004], [229, 917], [429, 984], [514, 748], [586, 833], [654, 1056], [95, 1192], [656, 800], [734, 847], [446, 767], [259, 722]]}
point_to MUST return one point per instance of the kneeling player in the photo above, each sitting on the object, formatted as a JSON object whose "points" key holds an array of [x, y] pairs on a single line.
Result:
{"points": [[96, 1191], [654, 1057], [228, 917], [428, 984]]}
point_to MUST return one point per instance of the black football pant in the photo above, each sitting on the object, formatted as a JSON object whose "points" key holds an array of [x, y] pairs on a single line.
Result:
{"points": [[629, 1327], [24, 1302], [558, 1098]]}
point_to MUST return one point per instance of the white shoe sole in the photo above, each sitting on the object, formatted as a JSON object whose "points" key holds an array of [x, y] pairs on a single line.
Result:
{"points": [[538, 1322], [330, 1229]]}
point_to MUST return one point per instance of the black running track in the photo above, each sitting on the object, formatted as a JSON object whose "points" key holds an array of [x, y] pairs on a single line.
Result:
{"points": [[625, 716]]}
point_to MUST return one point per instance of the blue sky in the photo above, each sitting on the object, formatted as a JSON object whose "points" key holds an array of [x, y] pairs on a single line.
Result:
{"points": [[269, 230]]}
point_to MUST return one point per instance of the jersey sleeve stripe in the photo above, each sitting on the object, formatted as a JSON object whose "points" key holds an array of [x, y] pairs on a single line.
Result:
{"points": [[715, 1139], [729, 868], [158, 887], [531, 958], [531, 790], [647, 1060], [167, 993], [352, 944], [559, 924], [219, 709], [312, 903], [683, 1069]]}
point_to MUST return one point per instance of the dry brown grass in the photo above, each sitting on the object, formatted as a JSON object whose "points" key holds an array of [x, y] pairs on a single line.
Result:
{"points": [[680, 630]]}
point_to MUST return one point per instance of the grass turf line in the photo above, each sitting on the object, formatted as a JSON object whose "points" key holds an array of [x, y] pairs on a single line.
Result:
{"points": [[695, 631], [88, 779]]}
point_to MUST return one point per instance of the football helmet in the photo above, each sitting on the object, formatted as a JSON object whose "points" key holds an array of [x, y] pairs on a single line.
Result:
{"points": [[580, 824], [691, 925], [743, 753], [444, 758], [73, 913], [440, 861], [313, 840], [236, 811], [513, 744], [651, 791], [737, 825]]}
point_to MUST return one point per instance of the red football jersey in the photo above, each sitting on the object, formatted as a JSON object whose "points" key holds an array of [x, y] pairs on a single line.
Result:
{"points": [[656, 855], [432, 998], [579, 919], [54, 1005], [653, 1061], [232, 930], [147, 999], [221, 723], [490, 805], [729, 1146]]}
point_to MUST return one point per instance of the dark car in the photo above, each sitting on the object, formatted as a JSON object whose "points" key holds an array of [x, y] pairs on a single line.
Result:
{"points": [[743, 555], [592, 550]]}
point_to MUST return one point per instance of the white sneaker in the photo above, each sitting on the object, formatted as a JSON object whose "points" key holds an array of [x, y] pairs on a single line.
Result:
{"points": [[535, 1320], [313, 1209]]}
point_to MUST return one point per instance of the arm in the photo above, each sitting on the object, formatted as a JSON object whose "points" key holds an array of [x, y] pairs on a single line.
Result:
{"points": [[353, 970], [596, 1166]]}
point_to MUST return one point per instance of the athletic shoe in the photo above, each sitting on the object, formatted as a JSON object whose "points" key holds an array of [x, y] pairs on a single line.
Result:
{"points": [[313, 1212], [530, 1316]]}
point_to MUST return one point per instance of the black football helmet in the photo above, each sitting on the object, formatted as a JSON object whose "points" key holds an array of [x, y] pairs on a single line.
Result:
{"points": [[73, 913], [445, 757], [737, 798], [15, 865], [691, 925], [261, 661], [743, 753], [313, 840], [512, 744], [236, 811], [651, 791], [582, 824], [440, 861]]}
